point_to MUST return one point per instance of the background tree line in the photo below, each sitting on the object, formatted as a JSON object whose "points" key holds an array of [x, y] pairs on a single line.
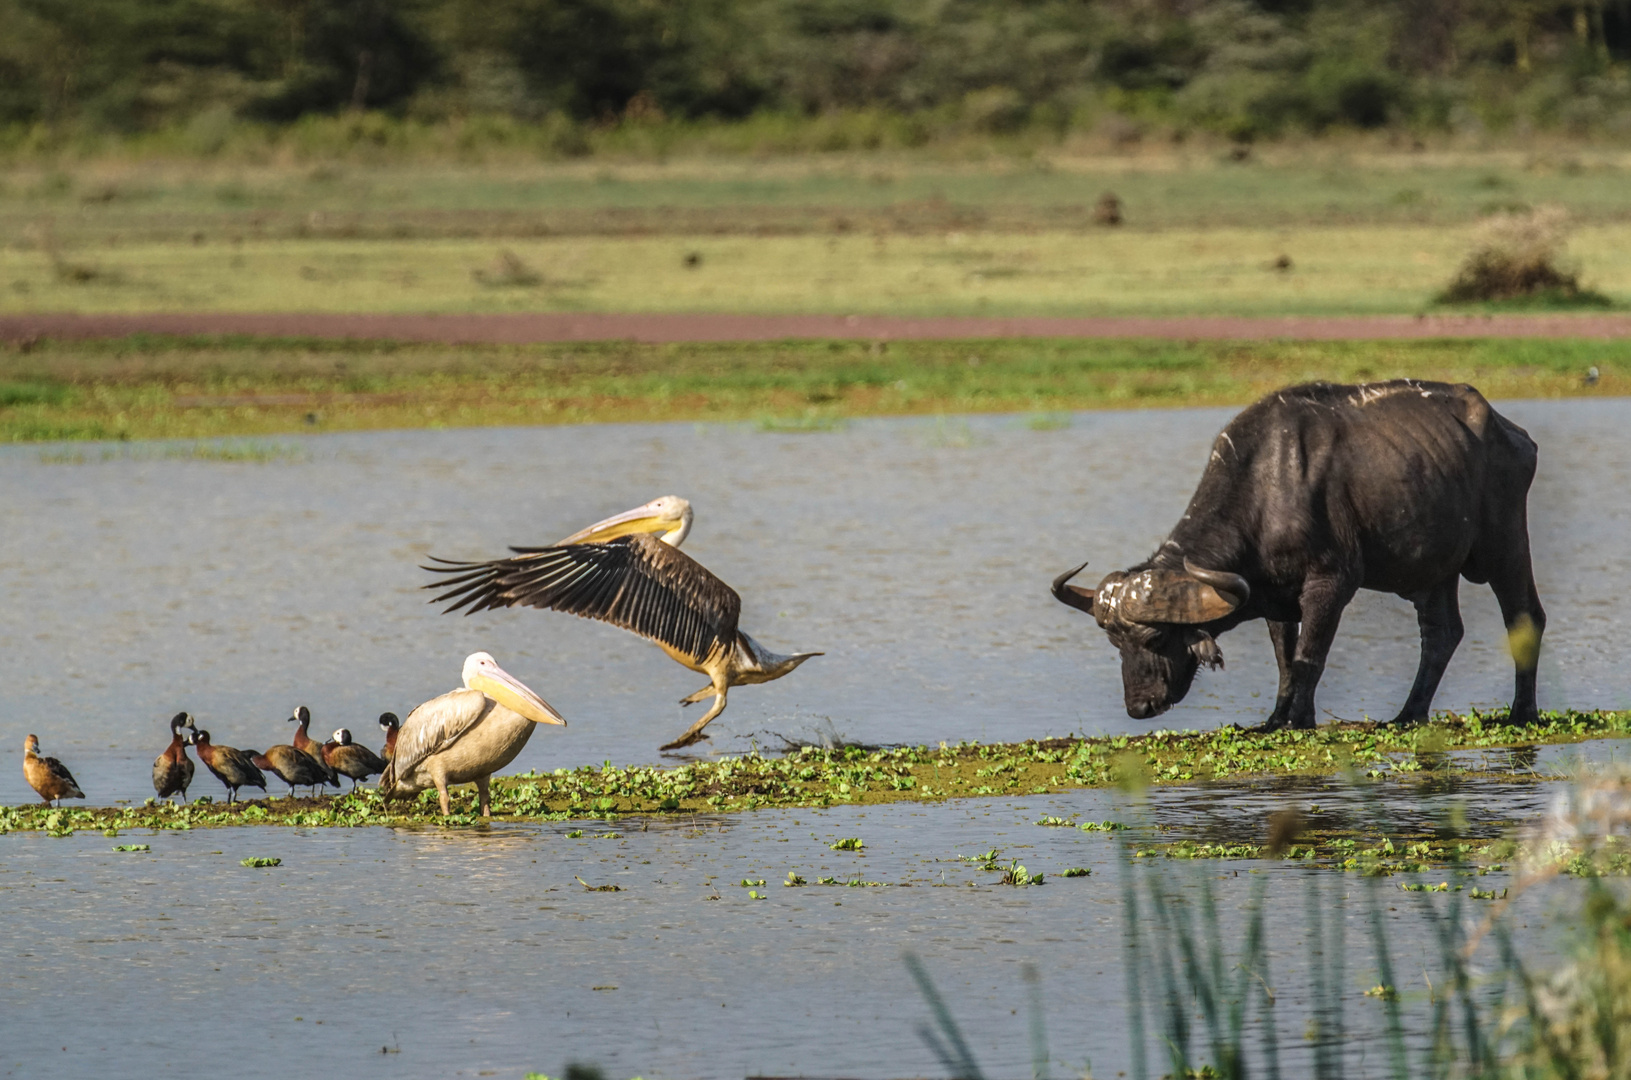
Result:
{"points": [[1242, 68]]}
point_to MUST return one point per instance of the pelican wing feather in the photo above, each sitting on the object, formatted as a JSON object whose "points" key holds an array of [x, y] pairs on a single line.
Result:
{"points": [[432, 728], [634, 582]]}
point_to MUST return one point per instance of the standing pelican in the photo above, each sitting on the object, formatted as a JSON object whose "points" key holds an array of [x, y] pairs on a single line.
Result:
{"points": [[46, 775], [465, 735], [173, 769], [619, 572]]}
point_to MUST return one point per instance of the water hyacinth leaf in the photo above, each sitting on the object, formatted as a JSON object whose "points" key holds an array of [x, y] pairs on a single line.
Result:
{"points": [[260, 862]]}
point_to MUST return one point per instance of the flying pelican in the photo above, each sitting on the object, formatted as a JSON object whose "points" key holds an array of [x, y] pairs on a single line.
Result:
{"points": [[628, 571], [350, 758], [173, 769], [46, 775], [465, 735]]}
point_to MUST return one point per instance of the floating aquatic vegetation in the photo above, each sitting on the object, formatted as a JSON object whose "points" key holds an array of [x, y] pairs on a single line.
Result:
{"points": [[1050, 820], [598, 888], [132, 847], [260, 862], [1076, 871], [852, 775], [1018, 875], [793, 880], [849, 843]]}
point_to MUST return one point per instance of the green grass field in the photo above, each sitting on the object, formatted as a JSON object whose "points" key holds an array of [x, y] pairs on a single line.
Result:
{"points": [[157, 388], [1365, 231]]}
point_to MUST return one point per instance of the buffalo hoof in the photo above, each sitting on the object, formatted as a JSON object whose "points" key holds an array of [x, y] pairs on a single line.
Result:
{"points": [[1272, 724]]}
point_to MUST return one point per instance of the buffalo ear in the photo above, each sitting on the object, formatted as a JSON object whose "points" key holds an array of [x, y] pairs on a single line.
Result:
{"points": [[1074, 595], [1205, 648]]}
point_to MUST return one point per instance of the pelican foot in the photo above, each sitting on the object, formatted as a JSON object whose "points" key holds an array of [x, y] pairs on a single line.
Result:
{"points": [[688, 739]]}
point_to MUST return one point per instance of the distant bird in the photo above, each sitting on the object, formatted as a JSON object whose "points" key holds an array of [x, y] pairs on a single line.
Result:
{"points": [[466, 735], [1592, 375], [311, 747], [47, 775], [351, 759], [389, 724], [173, 769], [617, 571], [234, 768]]}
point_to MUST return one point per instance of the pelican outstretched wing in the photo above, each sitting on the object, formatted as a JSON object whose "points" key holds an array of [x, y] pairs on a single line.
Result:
{"points": [[433, 727], [636, 582]]}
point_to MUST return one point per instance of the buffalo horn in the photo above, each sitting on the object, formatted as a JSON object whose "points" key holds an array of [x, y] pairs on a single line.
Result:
{"points": [[1232, 586], [1181, 597], [1073, 595]]}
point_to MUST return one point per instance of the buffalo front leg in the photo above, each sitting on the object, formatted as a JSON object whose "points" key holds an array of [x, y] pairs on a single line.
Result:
{"points": [[1322, 601], [1438, 613], [1283, 635]]}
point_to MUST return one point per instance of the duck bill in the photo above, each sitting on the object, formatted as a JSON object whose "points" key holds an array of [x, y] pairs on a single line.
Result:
{"points": [[513, 694], [642, 519]]}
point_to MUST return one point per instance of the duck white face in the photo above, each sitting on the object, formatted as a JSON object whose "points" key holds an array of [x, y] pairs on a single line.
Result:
{"points": [[342, 736], [481, 672], [669, 515]]}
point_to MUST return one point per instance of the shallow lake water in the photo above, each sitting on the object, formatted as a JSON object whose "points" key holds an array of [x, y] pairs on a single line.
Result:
{"points": [[135, 582]]}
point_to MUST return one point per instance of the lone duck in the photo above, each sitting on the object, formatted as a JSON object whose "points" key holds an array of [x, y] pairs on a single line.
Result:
{"points": [[351, 759], [173, 769], [311, 747], [47, 775], [389, 724], [232, 767], [466, 735]]}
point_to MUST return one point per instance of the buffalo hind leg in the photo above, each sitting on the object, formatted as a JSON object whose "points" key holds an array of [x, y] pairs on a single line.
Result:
{"points": [[1438, 613], [1525, 621]]}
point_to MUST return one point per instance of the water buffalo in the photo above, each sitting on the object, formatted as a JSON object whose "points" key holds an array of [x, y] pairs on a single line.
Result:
{"points": [[1313, 493]]}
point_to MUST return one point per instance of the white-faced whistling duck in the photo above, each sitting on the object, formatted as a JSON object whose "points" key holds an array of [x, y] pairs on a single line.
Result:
{"points": [[234, 768], [311, 747], [173, 769], [295, 768], [351, 759], [389, 724], [47, 775]]}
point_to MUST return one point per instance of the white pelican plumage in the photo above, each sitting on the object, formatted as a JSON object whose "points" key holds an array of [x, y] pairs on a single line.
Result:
{"points": [[628, 571], [465, 735]]}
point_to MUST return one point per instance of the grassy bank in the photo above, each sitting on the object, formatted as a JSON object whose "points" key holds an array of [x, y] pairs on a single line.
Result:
{"points": [[1297, 269], [154, 388], [862, 777]]}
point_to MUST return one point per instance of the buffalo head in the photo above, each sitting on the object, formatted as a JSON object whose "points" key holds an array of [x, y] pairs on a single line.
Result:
{"points": [[1154, 618]]}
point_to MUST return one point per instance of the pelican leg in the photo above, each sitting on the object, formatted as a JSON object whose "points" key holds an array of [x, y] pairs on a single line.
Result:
{"points": [[699, 695], [694, 732], [441, 792], [482, 795]]}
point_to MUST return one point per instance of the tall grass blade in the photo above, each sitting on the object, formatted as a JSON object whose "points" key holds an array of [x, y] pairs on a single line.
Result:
{"points": [[953, 1052], [1038, 1025]]}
